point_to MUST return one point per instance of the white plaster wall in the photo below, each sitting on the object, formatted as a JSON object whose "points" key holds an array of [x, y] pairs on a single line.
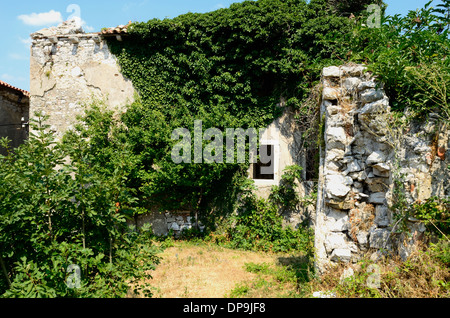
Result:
{"points": [[68, 71]]}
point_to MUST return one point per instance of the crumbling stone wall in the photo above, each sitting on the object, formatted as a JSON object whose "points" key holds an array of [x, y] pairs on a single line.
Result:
{"points": [[70, 68], [361, 157]]}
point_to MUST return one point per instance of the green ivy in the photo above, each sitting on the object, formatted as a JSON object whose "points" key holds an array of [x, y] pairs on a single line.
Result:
{"points": [[229, 68]]}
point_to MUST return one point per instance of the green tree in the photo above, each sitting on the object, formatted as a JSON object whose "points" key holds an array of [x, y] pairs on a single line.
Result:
{"points": [[229, 68], [57, 210]]}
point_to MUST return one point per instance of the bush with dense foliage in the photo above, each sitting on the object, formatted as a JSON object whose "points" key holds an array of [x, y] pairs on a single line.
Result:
{"points": [[409, 54], [56, 211], [230, 69]]}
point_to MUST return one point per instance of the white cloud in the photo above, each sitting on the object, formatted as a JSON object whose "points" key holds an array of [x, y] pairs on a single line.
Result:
{"points": [[27, 42], [18, 57], [10, 78], [41, 19]]}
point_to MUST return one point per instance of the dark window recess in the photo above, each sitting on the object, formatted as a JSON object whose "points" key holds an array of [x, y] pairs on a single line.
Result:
{"points": [[312, 164], [257, 174]]}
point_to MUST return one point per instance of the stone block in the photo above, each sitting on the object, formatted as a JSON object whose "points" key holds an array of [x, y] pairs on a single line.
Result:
{"points": [[351, 83], [341, 255], [366, 85], [377, 107], [382, 167], [336, 186], [377, 198], [353, 167], [337, 221], [340, 205], [382, 216], [377, 184], [378, 238], [157, 221], [330, 93], [379, 173], [376, 157], [174, 226], [371, 95], [335, 241], [335, 154], [353, 70], [362, 238], [332, 71], [336, 138]]}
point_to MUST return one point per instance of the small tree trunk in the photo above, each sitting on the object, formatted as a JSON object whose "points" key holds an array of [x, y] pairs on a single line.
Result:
{"points": [[197, 208], [110, 249], [84, 231], [5, 272]]}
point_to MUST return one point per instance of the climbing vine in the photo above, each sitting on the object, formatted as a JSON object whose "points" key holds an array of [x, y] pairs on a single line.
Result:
{"points": [[234, 67]]}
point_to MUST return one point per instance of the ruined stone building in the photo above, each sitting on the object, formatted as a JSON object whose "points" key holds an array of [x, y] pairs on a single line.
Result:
{"points": [[360, 158], [70, 68], [14, 113]]}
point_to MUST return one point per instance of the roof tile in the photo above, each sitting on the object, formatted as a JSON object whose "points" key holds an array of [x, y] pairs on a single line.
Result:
{"points": [[26, 93]]}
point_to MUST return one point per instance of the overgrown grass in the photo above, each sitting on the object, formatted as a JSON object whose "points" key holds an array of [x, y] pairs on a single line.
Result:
{"points": [[424, 275], [287, 278]]}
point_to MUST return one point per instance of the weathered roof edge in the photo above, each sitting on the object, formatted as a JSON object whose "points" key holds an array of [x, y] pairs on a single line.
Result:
{"points": [[121, 30], [71, 29], [24, 92]]}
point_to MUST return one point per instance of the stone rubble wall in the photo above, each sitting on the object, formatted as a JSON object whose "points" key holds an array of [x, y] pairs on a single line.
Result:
{"points": [[360, 159], [163, 223], [70, 68]]}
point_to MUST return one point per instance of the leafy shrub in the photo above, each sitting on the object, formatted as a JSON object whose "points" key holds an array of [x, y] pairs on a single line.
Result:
{"points": [[409, 55], [228, 68], [54, 214], [435, 213], [258, 223], [441, 251]]}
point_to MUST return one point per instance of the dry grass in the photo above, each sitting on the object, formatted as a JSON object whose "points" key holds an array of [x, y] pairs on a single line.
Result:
{"points": [[421, 276], [205, 270], [199, 270], [361, 219]]}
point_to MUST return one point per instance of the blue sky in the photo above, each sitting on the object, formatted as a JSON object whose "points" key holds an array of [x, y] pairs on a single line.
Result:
{"points": [[19, 19]]}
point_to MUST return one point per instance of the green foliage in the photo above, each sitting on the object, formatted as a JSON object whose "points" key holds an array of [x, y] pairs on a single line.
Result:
{"points": [[259, 226], [441, 251], [285, 195], [435, 213], [288, 278], [228, 68], [409, 55], [54, 214], [258, 223], [347, 7]]}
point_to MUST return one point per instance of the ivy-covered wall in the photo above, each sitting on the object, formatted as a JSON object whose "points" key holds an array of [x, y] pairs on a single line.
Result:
{"points": [[246, 66]]}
